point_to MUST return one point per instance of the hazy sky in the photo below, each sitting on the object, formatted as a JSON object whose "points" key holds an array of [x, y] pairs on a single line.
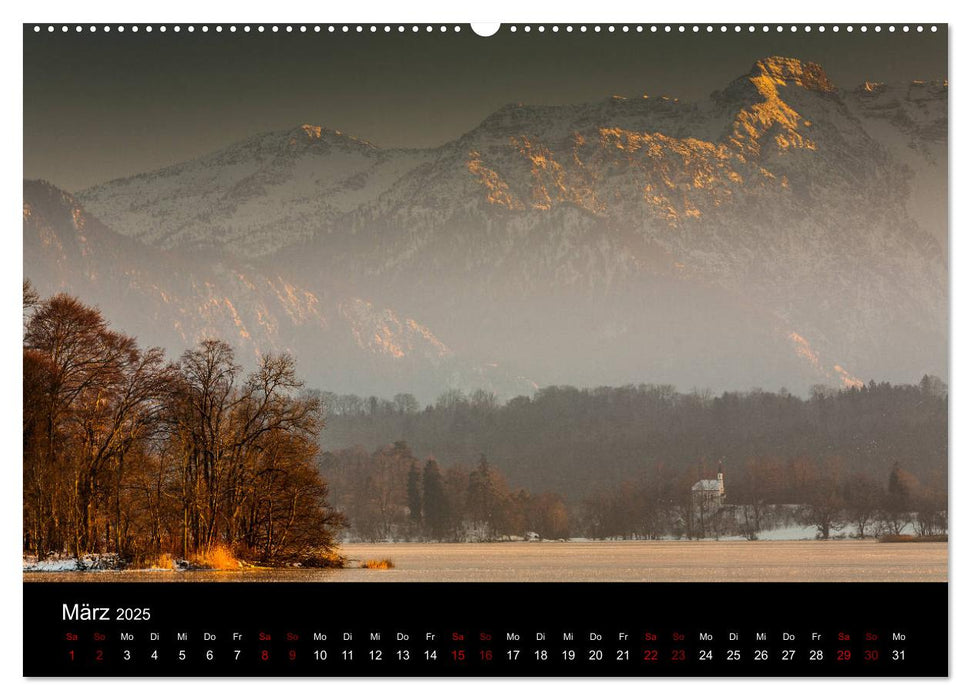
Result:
{"points": [[100, 106]]}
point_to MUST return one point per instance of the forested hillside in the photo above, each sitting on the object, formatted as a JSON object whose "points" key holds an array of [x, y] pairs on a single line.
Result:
{"points": [[574, 440], [620, 462]]}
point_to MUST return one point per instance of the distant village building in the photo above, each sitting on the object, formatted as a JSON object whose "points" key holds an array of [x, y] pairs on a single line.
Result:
{"points": [[709, 494]]}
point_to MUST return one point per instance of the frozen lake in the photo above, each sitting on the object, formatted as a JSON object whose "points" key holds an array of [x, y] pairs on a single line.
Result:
{"points": [[842, 560]]}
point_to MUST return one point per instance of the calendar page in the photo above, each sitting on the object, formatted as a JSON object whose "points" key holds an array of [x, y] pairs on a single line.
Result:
{"points": [[453, 350]]}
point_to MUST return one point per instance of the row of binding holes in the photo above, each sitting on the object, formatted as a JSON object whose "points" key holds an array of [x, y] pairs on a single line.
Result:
{"points": [[709, 28], [414, 28], [301, 28]]}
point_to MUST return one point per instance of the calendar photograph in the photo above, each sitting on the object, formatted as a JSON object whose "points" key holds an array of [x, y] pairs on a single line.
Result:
{"points": [[366, 304]]}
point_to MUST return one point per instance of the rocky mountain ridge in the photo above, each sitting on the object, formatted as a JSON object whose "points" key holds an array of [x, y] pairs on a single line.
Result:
{"points": [[783, 232]]}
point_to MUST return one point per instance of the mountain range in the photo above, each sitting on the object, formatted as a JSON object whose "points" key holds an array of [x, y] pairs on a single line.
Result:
{"points": [[783, 232]]}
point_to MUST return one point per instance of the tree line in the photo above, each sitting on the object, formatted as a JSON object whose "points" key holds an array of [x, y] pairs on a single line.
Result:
{"points": [[389, 494], [127, 452], [767, 494], [574, 441], [620, 462]]}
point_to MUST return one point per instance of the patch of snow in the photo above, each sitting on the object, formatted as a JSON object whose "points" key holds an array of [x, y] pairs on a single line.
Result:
{"points": [[87, 562], [33, 564]]}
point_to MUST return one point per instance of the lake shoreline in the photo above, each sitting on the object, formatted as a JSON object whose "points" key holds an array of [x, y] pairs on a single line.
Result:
{"points": [[622, 560], [99, 563]]}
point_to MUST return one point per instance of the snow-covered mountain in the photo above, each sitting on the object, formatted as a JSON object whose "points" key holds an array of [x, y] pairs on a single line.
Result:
{"points": [[910, 121], [783, 232], [172, 299], [254, 197]]}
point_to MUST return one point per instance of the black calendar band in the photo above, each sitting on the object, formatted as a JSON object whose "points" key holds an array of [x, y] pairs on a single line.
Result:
{"points": [[485, 629]]}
